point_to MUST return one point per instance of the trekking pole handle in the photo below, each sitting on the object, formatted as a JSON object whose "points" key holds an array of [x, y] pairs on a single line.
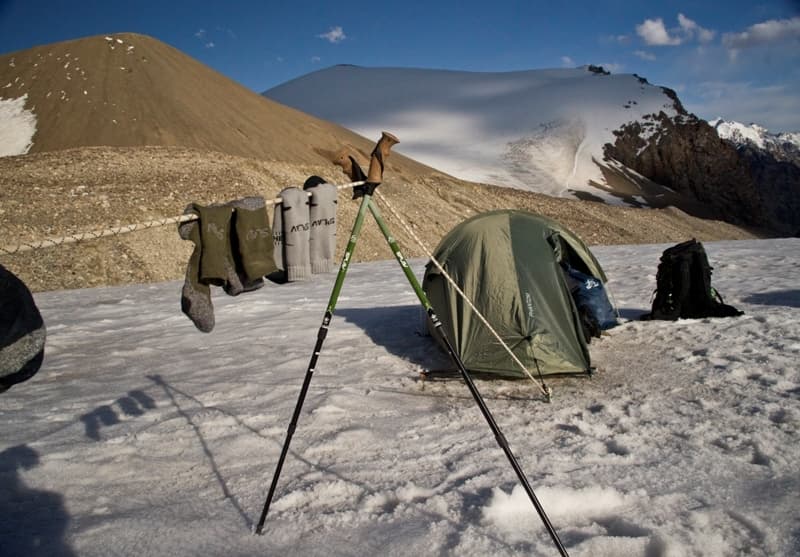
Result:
{"points": [[376, 163], [379, 153]]}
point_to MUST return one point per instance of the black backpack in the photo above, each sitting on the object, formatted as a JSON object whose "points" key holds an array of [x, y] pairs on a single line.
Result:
{"points": [[683, 286]]}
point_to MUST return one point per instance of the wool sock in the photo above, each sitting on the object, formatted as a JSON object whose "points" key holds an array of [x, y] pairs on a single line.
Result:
{"points": [[253, 238], [322, 215], [216, 260], [292, 239], [195, 295]]}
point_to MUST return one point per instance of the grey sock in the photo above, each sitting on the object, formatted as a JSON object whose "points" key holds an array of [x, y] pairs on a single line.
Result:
{"points": [[195, 295]]}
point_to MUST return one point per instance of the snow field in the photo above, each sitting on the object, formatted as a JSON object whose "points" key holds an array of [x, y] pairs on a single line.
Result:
{"points": [[142, 436]]}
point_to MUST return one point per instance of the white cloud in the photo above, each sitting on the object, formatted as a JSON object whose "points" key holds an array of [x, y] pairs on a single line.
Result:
{"points": [[316, 59], [692, 29], [767, 32], [567, 61], [654, 33], [201, 34], [644, 55], [335, 35]]}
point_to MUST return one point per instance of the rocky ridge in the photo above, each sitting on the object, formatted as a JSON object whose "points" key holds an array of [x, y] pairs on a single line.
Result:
{"points": [[742, 184], [75, 190]]}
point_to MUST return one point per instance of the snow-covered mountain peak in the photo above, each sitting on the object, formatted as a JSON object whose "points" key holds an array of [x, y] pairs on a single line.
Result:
{"points": [[565, 132], [753, 134], [539, 130]]}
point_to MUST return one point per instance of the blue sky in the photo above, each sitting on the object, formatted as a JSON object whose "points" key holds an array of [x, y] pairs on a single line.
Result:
{"points": [[738, 59]]}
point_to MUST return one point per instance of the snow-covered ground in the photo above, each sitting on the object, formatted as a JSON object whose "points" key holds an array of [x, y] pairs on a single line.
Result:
{"points": [[540, 130], [141, 436]]}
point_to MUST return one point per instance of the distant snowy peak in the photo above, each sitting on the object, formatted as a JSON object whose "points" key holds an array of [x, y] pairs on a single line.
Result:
{"points": [[782, 145], [540, 130], [773, 162], [740, 133]]}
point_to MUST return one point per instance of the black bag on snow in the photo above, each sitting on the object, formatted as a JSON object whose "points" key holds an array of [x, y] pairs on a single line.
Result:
{"points": [[683, 286], [22, 332]]}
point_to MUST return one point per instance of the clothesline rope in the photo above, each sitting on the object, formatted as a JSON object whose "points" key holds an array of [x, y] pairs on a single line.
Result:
{"points": [[117, 230]]}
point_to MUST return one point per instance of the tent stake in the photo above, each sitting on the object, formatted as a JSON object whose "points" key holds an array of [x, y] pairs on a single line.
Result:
{"points": [[382, 150]]}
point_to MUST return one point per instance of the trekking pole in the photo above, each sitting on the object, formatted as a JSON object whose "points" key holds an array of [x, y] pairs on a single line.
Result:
{"points": [[375, 173], [351, 167], [437, 326]]}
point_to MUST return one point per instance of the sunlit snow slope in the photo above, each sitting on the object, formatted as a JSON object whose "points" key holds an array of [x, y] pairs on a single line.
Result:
{"points": [[540, 130]]}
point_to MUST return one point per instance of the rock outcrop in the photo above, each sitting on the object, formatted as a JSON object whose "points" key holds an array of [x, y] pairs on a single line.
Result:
{"points": [[686, 154], [778, 181]]}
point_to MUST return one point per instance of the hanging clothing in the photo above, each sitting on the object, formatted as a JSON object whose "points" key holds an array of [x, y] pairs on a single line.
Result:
{"points": [[232, 249], [291, 233], [235, 248], [322, 241]]}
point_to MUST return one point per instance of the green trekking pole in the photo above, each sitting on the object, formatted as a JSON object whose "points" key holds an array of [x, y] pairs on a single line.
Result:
{"points": [[473, 389], [375, 173], [373, 180]]}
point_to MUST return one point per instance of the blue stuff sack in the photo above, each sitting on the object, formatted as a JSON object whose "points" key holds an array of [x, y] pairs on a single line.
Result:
{"points": [[591, 298]]}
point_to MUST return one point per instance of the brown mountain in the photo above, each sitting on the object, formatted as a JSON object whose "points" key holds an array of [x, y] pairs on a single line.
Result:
{"points": [[129, 90], [130, 129]]}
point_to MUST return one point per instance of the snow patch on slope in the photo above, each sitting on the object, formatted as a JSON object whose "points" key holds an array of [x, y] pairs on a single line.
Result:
{"points": [[547, 160], [17, 127]]}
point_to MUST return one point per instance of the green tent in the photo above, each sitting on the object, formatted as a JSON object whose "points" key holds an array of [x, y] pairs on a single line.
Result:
{"points": [[508, 263]]}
